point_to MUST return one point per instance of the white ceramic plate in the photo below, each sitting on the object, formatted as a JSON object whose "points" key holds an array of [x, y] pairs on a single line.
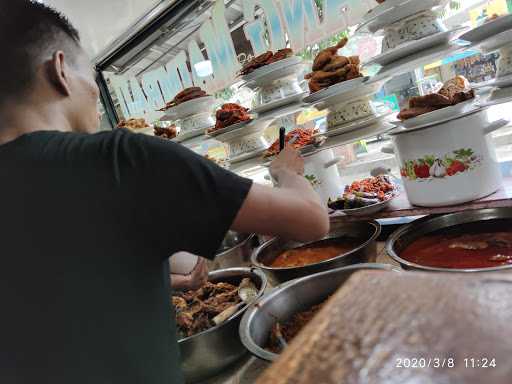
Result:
{"points": [[282, 111], [370, 210], [188, 135], [279, 103], [355, 125], [336, 89], [500, 82], [229, 128], [191, 107], [289, 63], [495, 42], [440, 115], [402, 129], [498, 96], [247, 156], [251, 128], [376, 129], [488, 30], [416, 60], [413, 47], [392, 11]]}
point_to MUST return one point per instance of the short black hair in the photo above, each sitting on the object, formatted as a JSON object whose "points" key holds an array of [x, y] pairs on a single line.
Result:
{"points": [[29, 31]]}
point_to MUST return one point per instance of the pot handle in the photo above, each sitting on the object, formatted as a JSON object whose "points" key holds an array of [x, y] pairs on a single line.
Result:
{"points": [[495, 126], [332, 162], [389, 149]]}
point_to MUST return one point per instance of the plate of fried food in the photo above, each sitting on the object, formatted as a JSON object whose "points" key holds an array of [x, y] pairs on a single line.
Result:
{"points": [[337, 78], [168, 133], [230, 117], [329, 68], [135, 125], [454, 99], [271, 66], [190, 101], [304, 140], [366, 197]]}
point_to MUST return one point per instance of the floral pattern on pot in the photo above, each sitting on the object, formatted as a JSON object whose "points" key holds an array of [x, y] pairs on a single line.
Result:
{"points": [[432, 167], [313, 180]]}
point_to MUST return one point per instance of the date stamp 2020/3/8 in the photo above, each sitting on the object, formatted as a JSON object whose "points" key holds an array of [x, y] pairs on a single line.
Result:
{"points": [[445, 362]]}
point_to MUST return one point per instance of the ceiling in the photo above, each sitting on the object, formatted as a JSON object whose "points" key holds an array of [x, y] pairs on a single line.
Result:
{"points": [[100, 22]]}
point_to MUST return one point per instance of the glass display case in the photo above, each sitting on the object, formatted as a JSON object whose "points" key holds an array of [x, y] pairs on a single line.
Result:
{"points": [[204, 43]]}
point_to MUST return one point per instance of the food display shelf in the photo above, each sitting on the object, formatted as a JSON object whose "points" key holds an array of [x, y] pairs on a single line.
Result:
{"points": [[401, 207]]}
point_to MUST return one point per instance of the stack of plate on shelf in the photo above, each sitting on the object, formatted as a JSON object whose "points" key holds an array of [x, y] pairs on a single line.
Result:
{"points": [[245, 139], [193, 117], [413, 35], [277, 86], [495, 35], [352, 114]]}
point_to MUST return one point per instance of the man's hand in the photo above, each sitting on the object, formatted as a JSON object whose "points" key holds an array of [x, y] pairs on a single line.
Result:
{"points": [[195, 280], [288, 161]]}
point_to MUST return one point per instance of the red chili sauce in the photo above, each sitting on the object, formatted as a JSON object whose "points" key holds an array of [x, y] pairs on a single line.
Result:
{"points": [[468, 246]]}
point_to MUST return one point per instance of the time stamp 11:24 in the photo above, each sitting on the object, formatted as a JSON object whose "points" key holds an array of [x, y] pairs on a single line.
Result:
{"points": [[440, 362]]}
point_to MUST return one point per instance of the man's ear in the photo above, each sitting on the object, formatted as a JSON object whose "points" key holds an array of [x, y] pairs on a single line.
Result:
{"points": [[58, 73]]}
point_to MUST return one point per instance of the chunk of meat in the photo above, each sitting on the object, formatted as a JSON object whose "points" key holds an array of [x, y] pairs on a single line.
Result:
{"points": [[325, 56]]}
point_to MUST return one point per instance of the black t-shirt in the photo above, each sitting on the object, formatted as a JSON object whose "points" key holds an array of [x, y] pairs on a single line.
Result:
{"points": [[87, 225]]}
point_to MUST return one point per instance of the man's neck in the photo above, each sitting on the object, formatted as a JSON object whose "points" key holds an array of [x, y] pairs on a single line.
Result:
{"points": [[22, 119]]}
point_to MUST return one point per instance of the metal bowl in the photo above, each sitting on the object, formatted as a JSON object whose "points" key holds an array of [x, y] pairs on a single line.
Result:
{"points": [[407, 234], [367, 231], [235, 251], [208, 353], [291, 298]]}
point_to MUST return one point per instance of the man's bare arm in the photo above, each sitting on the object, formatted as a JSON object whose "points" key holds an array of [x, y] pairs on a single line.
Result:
{"points": [[292, 211]]}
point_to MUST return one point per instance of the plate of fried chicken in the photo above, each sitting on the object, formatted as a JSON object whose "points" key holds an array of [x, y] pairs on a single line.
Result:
{"points": [[190, 101], [454, 99], [264, 66], [230, 116]]}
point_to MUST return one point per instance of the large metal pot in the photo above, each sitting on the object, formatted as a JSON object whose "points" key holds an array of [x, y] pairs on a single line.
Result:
{"points": [[291, 298], [235, 251], [208, 353], [368, 232], [407, 234]]}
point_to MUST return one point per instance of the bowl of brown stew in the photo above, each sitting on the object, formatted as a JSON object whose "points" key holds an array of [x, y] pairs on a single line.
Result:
{"points": [[470, 241], [292, 306], [346, 244]]}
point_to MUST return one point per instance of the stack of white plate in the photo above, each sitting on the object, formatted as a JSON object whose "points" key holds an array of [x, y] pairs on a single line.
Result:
{"points": [[191, 110], [423, 41], [276, 85], [343, 94], [495, 35]]}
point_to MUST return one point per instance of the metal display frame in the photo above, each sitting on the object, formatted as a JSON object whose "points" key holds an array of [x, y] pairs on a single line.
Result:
{"points": [[156, 25]]}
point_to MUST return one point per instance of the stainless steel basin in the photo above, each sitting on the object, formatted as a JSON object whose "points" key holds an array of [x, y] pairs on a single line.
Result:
{"points": [[407, 234], [368, 232], [291, 298], [235, 251], [210, 352]]}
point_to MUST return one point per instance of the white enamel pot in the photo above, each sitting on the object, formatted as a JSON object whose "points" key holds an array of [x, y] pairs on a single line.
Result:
{"points": [[449, 163], [322, 172]]}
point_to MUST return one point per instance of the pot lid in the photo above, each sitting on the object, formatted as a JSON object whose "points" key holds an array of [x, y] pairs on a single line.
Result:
{"points": [[436, 122]]}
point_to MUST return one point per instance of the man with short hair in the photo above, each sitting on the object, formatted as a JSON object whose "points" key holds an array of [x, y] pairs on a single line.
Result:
{"points": [[89, 220]]}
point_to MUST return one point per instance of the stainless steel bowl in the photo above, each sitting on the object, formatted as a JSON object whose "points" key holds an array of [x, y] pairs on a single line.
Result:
{"points": [[407, 234], [368, 232], [292, 298], [210, 352], [235, 251]]}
